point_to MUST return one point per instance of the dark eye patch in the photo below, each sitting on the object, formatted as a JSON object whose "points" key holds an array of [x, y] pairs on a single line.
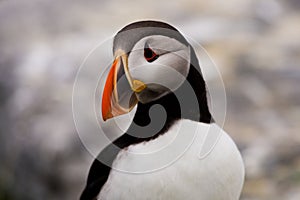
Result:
{"points": [[149, 54]]}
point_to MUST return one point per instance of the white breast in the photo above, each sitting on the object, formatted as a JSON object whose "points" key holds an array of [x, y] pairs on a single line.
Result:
{"points": [[191, 161]]}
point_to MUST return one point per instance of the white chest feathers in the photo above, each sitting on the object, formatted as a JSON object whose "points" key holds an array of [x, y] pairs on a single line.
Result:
{"points": [[191, 160]]}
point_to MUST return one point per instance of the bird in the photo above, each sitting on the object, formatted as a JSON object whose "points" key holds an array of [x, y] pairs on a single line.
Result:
{"points": [[156, 70]]}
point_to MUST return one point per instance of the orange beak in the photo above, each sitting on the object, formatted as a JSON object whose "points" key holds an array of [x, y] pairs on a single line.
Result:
{"points": [[119, 90]]}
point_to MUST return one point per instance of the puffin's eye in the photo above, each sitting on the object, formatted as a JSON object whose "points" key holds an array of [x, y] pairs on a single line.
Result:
{"points": [[149, 54]]}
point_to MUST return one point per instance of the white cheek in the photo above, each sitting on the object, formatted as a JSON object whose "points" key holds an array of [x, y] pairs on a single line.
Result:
{"points": [[169, 70]]}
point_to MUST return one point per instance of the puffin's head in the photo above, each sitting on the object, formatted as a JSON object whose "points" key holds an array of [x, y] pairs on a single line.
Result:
{"points": [[151, 59]]}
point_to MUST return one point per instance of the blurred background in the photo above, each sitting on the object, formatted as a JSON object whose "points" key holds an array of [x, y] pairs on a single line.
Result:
{"points": [[255, 44]]}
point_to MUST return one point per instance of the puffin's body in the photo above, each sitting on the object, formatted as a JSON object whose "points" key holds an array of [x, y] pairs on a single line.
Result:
{"points": [[121, 170]]}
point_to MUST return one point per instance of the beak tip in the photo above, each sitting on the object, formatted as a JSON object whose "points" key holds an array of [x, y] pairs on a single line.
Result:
{"points": [[107, 116]]}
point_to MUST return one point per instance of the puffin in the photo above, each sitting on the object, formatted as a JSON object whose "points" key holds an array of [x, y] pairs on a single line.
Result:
{"points": [[173, 148]]}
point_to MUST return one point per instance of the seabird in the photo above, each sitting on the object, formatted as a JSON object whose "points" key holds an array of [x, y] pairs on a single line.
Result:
{"points": [[158, 157]]}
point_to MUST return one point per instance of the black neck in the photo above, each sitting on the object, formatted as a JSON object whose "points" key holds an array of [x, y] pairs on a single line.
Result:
{"points": [[196, 81]]}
